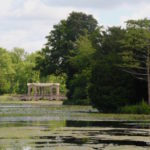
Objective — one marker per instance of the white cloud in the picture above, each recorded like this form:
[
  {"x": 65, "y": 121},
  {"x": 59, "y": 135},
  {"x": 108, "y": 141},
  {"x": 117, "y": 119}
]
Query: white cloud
[
  {"x": 36, "y": 9},
  {"x": 95, "y": 4},
  {"x": 5, "y": 7},
  {"x": 28, "y": 25},
  {"x": 139, "y": 12},
  {"x": 25, "y": 23}
]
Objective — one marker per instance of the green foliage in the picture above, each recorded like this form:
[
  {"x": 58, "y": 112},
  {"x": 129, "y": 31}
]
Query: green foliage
[
  {"x": 56, "y": 79},
  {"x": 136, "y": 46},
  {"x": 16, "y": 70},
  {"x": 142, "y": 108},
  {"x": 90, "y": 58},
  {"x": 136, "y": 54},
  {"x": 23, "y": 65},
  {"x": 110, "y": 87},
  {"x": 64, "y": 53},
  {"x": 82, "y": 53},
  {"x": 60, "y": 41},
  {"x": 6, "y": 71},
  {"x": 81, "y": 60}
]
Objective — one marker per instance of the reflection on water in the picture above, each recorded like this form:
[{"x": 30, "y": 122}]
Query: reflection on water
[
  {"x": 115, "y": 124},
  {"x": 68, "y": 128}
]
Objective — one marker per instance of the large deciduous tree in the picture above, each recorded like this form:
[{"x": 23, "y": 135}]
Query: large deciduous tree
[
  {"x": 136, "y": 55},
  {"x": 81, "y": 59},
  {"x": 110, "y": 87},
  {"x": 54, "y": 58}
]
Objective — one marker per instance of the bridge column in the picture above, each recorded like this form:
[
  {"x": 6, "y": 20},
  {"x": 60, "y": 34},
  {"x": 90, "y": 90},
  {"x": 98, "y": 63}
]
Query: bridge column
[
  {"x": 35, "y": 92},
  {"x": 57, "y": 92},
  {"x": 51, "y": 92},
  {"x": 29, "y": 90}
]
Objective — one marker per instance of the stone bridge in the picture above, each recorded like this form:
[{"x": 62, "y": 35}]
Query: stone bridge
[{"x": 47, "y": 91}]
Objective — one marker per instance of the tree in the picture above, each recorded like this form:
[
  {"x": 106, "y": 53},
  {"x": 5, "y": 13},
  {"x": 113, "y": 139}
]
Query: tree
[
  {"x": 56, "y": 79},
  {"x": 23, "y": 65},
  {"x": 61, "y": 40},
  {"x": 18, "y": 55},
  {"x": 136, "y": 57},
  {"x": 81, "y": 60},
  {"x": 110, "y": 88},
  {"x": 6, "y": 71},
  {"x": 54, "y": 58}
]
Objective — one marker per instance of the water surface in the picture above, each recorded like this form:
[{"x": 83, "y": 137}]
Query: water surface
[{"x": 50, "y": 127}]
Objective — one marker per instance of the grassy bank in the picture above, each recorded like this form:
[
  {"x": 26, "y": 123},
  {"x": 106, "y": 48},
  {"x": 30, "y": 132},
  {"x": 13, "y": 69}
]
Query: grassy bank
[
  {"x": 9, "y": 99},
  {"x": 75, "y": 111}
]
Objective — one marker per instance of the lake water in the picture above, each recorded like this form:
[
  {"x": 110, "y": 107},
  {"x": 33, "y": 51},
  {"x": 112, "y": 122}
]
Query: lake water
[{"x": 57, "y": 127}]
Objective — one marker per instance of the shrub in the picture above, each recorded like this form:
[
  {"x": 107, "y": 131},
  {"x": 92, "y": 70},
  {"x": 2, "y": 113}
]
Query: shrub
[
  {"x": 142, "y": 108},
  {"x": 77, "y": 102}
]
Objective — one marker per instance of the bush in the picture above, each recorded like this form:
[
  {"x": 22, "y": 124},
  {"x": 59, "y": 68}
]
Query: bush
[
  {"x": 142, "y": 108},
  {"x": 110, "y": 88},
  {"x": 77, "y": 102}
]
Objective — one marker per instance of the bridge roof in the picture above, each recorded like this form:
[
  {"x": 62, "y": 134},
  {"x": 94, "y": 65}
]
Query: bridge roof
[{"x": 43, "y": 84}]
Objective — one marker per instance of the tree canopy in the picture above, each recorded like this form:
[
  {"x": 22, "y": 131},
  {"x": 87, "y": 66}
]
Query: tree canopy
[
  {"x": 96, "y": 60},
  {"x": 136, "y": 54},
  {"x": 61, "y": 45}
]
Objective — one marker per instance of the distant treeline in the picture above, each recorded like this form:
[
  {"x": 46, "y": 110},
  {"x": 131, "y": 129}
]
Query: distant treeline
[{"x": 17, "y": 69}]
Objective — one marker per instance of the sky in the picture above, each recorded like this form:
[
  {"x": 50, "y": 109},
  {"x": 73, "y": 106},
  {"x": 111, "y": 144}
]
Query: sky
[{"x": 25, "y": 23}]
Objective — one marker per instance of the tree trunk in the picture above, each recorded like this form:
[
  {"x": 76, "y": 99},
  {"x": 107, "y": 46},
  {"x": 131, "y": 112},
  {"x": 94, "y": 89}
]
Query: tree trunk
[
  {"x": 148, "y": 80},
  {"x": 148, "y": 76}
]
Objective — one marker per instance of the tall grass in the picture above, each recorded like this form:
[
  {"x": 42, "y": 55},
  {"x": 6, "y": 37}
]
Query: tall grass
[{"x": 142, "y": 108}]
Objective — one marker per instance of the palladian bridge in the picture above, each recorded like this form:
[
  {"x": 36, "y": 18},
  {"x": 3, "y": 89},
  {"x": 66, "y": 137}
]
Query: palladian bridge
[{"x": 48, "y": 91}]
